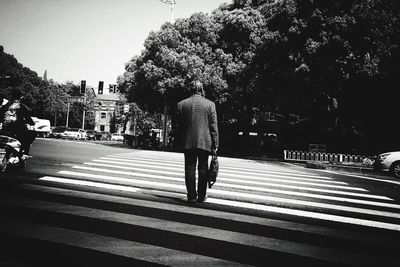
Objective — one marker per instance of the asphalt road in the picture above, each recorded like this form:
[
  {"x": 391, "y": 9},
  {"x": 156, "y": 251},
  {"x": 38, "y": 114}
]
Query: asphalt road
[{"x": 83, "y": 203}]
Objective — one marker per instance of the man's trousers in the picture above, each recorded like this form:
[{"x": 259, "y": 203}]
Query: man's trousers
[{"x": 192, "y": 157}]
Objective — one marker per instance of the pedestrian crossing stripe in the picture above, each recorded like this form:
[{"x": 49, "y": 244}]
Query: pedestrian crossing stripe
[
  {"x": 91, "y": 184},
  {"x": 103, "y": 213},
  {"x": 174, "y": 206},
  {"x": 195, "y": 231},
  {"x": 116, "y": 246},
  {"x": 249, "y": 196},
  {"x": 311, "y": 214},
  {"x": 179, "y": 171},
  {"x": 367, "y": 178},
  {"x": 223, "y": 174},
  {"x": 255, "y": 206},
  {"x": 230, "y": 185},
  {"x": 226, "y": 172},
  {"x": 134, "y": 158}
]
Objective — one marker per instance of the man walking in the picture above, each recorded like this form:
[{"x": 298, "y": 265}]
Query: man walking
[{"x": 198, "y": 134}]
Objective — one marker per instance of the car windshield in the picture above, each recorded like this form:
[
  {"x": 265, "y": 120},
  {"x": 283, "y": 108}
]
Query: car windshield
[{"x": 74, "y": 130}]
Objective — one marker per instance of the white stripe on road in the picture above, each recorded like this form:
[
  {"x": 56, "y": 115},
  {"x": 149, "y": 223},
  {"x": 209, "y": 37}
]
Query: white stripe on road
[
  {"x": 120, "y": 179},
  {"x": 132, "y": 168},
  {"x": 232, "y": 168},
  {"x": 262, "y": 189},
  {"x": 92, "y": 184},
  {"x": 366, "y": 177},
  {"x": 178, "y": 171},
  {"x": 240, "y": 194},
  {"x": 249, "y": 179},
  {"x": 286, "y": 211},
  {"x": 308, "y": 214},
  {"x": 224, "y": 172}
]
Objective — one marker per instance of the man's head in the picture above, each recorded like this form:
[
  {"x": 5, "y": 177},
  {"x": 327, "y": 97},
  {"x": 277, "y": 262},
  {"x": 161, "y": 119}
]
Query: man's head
[{"x": 197, "y": 88}]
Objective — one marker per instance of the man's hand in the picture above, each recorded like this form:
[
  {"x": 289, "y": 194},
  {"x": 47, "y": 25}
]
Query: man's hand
[{"x": 214, "y": 151}]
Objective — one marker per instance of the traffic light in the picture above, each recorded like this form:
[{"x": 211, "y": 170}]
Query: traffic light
[
  {"x": 83, "y": 87},
  {"x": 101, "y": 83}
]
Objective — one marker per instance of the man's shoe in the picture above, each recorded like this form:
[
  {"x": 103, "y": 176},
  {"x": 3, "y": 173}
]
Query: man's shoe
[
  {"x": 191, "y": 200},
  {"x": 202, "y": 199}
]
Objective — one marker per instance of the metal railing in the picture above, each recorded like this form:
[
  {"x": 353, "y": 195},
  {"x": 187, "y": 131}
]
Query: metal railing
[{"x": 291, "y": 155}]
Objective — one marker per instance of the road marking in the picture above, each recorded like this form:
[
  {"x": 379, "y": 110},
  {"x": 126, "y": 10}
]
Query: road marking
[
  {"x": 177, "y": 172},
  {"x": 168, "y": 206},
  {"x": 246, "y": 195},
  {"x": 151, "y": 254},
  {"x": 223, "y": 171},
  {"x": 66, "y": 140},
  {"x": 308, "y": 214},
  {"x": 224, "y": 166},
  {"x": 241, "y": 187},
  {"x": 365, "y": 177},
  {"x": 260, "y": 207},
  {"x": 89, "y": 183}
]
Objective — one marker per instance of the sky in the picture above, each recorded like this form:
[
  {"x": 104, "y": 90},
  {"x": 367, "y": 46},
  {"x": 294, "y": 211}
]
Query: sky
[{"x": 88, "y": 40}]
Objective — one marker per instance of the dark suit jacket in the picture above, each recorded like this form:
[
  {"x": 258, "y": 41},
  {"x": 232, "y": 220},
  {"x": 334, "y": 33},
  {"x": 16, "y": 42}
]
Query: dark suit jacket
[{"x": 197, "y": 122}]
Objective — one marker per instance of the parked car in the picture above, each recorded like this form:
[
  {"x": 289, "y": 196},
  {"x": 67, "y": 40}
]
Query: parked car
[
  {"x": 56, "y": 132},
  {"x": 93, "y": 135},
  {"x": 105, "y": 136},
  {"x": 74, "y": 133},
  {"x": 117, "y": 137},
  {"x": 388, "y": 162},
  {"x": 41, "y": 127}
]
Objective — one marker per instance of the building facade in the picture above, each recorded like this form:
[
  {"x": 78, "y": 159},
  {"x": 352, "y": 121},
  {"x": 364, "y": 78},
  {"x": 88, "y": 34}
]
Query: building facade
[{"x": 107, "y": 110}]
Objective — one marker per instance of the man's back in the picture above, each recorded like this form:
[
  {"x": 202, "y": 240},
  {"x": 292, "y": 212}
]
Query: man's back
[{"x": 198, "y": 123}]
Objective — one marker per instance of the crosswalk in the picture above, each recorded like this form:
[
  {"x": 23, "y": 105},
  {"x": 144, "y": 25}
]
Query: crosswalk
[{"x": 130, "y": 209}]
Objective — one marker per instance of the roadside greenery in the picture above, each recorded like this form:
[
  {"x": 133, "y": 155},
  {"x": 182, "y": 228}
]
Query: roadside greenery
[
  {"x": 47, "y": 99},
  {"x": 324, "y": 67}
]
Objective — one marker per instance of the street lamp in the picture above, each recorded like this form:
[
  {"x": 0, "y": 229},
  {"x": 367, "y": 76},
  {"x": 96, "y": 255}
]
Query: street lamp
[{"x": 165, "y": 136}]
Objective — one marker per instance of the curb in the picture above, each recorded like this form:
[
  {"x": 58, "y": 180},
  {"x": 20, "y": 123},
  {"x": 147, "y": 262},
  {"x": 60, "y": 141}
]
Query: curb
[
  {"x": 355, "y": 170},
  {"x": 346, "y": 168},
  {"x": 329, "y": 166}
]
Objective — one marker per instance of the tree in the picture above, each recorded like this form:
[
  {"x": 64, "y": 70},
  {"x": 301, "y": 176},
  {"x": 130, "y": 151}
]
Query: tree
[
  {"x": 321, "y": 60},
  {"x": 44, "y": 97}
]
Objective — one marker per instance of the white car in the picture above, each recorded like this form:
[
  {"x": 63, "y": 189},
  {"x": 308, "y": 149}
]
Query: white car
[
  {"x": 117, "y": 137},
  {"x": 74, "y": 133},
  {"x": 389, "y": 161}
]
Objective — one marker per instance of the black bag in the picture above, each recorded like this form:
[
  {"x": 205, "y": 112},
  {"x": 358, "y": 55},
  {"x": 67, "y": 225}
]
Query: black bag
[{"x": 213, "y": 171}]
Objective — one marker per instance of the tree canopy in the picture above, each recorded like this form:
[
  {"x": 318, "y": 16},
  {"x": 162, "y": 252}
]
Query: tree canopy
[
  {"x": 47, "y": 99},
  {"x": 329, "y": 61}
]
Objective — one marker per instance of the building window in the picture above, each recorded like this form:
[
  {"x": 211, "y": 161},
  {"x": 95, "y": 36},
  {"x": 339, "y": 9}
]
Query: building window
[
  {"x": 102, "y": 128},
  {"x": 103, "y": 115}
]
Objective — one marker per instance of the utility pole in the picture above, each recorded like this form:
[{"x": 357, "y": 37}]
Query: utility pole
[
  {"x": 165, "y": 136},
  {"x": 66, "y": 124},
  {"x": 172, "y": 4},
  {"x": 83, "y": 91},
  {"x": 84, "y": 107}
]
